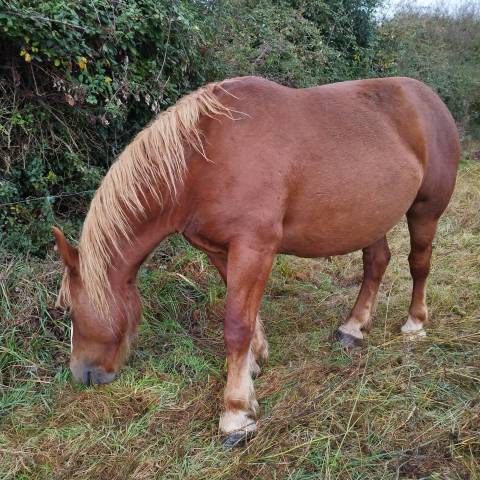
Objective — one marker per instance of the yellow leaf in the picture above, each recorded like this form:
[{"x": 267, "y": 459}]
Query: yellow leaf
[
  {"x": 108, "y": 80},
  {"x": 82, "y": 63},
  {"x": 22, "y": 52},
  {"x": 28, "y": 57}
]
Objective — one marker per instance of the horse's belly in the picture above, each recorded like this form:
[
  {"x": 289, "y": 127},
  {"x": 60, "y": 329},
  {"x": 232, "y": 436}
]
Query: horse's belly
[
  {"x": 336, "y": 239},
  {"x": 338, "y": 219}
]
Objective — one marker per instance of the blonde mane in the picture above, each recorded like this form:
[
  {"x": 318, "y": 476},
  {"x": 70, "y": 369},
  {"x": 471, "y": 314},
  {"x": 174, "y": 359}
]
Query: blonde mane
[{"x": 156, "y": 156}]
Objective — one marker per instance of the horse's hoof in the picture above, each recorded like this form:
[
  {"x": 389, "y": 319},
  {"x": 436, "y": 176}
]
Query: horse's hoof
[
  {"x": 349, "y": 342},
  {"x": 236, "y": 439},
  {"x": 413, "y": 329}
]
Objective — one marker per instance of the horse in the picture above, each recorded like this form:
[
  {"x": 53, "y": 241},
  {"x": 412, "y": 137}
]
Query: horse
[{"x": 245, "y": 169}]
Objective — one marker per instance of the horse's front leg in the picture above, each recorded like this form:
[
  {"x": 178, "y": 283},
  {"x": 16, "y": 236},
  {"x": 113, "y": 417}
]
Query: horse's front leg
[
  {"x": 249, "y": 264},
  {"x": 259, "y": 345}
]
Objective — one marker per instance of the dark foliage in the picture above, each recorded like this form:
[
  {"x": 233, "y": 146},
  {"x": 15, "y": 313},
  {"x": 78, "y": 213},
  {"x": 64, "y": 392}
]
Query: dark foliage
[{"x": 79, "y": 79}]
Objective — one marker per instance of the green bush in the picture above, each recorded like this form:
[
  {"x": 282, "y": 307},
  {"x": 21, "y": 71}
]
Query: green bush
[
  {"x": 78, "y": 80},
  {"x": 298, "y": 43},
  {"x": 442, "y": 49}
]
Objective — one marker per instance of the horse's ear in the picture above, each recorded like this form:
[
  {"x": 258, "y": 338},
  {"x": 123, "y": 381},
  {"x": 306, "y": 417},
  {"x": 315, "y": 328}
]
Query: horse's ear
[{"x": 68, "y": 252}]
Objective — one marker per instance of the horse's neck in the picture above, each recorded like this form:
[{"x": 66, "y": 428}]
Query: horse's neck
[
  {"x": 162, "y": 215},
  {"x": 147, "y": 233}
]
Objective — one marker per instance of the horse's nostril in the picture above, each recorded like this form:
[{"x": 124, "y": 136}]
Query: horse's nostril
[{"x": 89, "y": 375}]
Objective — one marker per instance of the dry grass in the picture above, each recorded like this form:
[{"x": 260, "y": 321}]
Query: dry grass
[{"x": 394, "y": 410}]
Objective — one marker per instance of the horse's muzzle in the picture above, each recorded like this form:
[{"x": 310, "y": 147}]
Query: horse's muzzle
[{"x": 89, "y": 375}]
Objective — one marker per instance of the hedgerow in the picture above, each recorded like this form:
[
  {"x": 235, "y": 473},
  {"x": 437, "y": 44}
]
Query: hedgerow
[
  {"x": 442, "y": 48},
  {"x": 79, "y": 79}
]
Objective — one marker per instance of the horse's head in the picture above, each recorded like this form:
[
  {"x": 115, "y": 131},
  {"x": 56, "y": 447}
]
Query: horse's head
[{"x": 98, "y": 345}]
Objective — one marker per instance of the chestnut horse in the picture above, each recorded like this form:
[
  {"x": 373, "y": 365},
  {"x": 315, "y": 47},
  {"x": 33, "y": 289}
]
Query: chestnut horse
[{"x": 246, "y": 169}]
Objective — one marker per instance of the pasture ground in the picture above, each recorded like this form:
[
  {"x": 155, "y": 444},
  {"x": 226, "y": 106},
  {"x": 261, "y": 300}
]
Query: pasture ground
[{"x": 392, "y": 410}]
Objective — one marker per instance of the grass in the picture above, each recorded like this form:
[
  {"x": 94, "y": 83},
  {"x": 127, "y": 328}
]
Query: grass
[{"x": 393, "y": 410}]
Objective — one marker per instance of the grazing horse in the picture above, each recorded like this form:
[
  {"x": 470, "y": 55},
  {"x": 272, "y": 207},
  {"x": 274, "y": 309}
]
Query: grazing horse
[{"x": 246, "y": 169}]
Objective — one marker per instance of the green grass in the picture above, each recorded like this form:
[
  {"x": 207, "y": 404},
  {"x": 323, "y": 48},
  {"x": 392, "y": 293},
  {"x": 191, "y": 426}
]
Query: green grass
[{"x": 392, "y": 410}]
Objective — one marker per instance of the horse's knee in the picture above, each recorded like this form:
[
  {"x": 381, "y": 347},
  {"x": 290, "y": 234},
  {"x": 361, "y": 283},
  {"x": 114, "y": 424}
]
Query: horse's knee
[{"x": 237, "y": 336}]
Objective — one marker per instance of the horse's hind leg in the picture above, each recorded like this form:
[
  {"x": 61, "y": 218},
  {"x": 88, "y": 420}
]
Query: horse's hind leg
[
  {"x": 422, "y": 224},
  {"x": 375, "y": 261}
]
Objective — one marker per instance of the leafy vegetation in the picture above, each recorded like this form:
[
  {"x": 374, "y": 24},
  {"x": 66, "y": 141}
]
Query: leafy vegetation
[
  {"x": 443, "y": 50},
  {"x": 79, "y": 79},
  {"x": 298, "y": 43}
]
